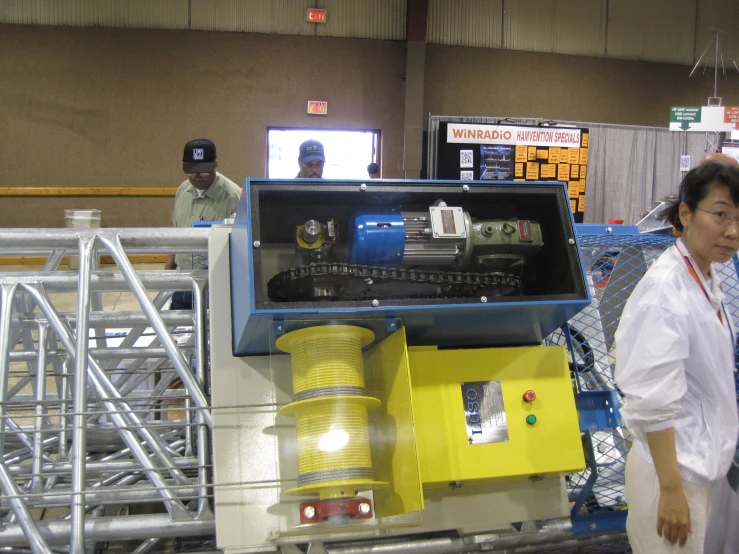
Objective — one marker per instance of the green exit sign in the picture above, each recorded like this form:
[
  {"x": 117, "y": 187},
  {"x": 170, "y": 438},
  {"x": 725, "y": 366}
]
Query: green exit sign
[{"x": 685, "y": 115}]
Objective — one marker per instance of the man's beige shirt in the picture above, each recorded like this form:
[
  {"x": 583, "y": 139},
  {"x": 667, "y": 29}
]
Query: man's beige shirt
[{"x": 219, "y": 201}]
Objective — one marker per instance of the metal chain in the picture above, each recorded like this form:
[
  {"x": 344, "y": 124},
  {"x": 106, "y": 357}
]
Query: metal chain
[{"x": 409, "y": 275}]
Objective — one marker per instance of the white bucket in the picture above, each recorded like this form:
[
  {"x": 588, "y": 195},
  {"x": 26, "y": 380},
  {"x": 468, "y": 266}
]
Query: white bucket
[{"x": 81, "y": 219}]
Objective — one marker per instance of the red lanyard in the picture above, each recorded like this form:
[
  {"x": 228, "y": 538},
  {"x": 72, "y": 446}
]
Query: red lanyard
[{"x": 700, "y": 283}]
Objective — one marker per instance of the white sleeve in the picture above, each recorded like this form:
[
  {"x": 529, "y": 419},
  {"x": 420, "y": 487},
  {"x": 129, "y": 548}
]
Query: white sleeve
[{"x": 652, "y": 344}]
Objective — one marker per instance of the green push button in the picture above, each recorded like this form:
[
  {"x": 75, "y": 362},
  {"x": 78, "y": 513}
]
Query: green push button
[{"x": 531, "y": 419}]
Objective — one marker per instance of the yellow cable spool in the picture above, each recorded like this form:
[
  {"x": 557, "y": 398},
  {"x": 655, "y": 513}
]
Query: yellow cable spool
[{"x": 330, "y": 407}]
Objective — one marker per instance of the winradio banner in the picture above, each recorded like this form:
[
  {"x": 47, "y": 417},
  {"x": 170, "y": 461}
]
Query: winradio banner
[{"x": 468, "y": 151}]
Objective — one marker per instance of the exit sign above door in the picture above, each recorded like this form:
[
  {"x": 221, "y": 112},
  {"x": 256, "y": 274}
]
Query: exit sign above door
[
  {"x": 316, "y": 107},
  {"x": 316, "y": 15}
]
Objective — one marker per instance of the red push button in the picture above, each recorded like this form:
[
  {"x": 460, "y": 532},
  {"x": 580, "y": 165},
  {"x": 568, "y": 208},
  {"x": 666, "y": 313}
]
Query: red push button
[{"x": 529, "y": 396}]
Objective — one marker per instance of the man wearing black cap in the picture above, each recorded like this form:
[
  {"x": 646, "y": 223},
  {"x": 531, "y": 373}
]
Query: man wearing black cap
[
  {"x": 311, "y": 160},
  {"x": 206, "y": 195}
]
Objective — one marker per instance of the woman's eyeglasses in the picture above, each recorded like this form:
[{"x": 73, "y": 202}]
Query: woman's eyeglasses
[{"x": 721, "y": 217}]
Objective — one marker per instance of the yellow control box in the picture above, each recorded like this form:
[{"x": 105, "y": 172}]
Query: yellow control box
[{"x": 486, "y": 414}]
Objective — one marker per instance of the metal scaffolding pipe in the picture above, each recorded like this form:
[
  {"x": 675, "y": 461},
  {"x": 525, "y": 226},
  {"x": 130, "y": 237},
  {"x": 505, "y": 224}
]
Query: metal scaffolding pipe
[
  {"x": 173, "y": 505},
  {"x": 99, "y": 354},
  {"x": 7, "y": 293},
  {"x": 93, "y": 441},
  {"x": 113, "y": 528},
  {"x": 27, "y": 305},
  {"x": 198, "y": 295},
  {"x": 38, "y": 423},
  {"x": 97, "y": 467},
  {"x": 63, "y": 395},
  {"x": 147, "y": 546},
  {"x": 107, "y": 281},
  {"x": 101, "y": 436},
  {"x": 116, "y": 495},
  {"x": 134, "y": 240},
  {"x": 113, "y": 320},
  {"x": 188, "y": 379},
  {"x": 25, "y": 520},
  {"x": 79, "y": 425},
  {"x": 132, "y": 337}
]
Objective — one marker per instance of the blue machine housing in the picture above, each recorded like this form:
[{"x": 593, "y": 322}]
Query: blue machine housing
[
  {"x": 376, "y": 238},
  {"x": 498, "y": 321}
]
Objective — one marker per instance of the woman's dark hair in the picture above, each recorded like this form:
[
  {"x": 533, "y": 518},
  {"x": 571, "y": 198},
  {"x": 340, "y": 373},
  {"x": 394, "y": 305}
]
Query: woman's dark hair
[{"x": 698, "y": 183}]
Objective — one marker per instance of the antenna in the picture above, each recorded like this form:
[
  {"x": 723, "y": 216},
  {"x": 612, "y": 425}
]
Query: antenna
[
  {"x": 714, "y": 139},
  {"x": 714, "y": 100}
]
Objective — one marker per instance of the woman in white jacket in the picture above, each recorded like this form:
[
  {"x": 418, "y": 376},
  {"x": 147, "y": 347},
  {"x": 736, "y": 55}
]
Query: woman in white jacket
[{"x": 674, "y": 364}]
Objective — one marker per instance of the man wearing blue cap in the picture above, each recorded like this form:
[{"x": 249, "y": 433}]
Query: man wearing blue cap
[{"x": 311, "y": 160}]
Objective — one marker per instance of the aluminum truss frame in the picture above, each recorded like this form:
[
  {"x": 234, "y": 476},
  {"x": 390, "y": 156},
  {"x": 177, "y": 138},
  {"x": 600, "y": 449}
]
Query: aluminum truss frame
[{"x": 88, "y": 428}]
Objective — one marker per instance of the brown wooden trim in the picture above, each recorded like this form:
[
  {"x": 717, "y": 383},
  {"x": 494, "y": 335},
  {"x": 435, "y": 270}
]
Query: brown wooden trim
[
  {"x": 88, "y": 191},
  {"x": 104, "y": 259}
]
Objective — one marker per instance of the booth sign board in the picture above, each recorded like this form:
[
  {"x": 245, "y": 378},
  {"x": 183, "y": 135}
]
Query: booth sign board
[
  {"x": 704, "y": 119},
  {"x": 472, "y": 151}
]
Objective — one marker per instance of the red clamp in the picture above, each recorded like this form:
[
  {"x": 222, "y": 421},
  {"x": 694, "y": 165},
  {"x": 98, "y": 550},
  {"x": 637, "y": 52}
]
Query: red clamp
[{"x": 355, "y": 508}]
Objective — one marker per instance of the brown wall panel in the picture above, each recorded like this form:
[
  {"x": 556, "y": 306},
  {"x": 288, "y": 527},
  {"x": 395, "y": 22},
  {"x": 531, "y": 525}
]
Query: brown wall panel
[
  {"x": 490, "y": 82},
  {"x": 114, "y": 107},
  {"x": 123, "y": 211}
]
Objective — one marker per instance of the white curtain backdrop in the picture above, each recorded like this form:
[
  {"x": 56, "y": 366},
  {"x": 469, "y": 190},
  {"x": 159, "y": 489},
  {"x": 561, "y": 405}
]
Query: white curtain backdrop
[{"x": 630, "y": 168}]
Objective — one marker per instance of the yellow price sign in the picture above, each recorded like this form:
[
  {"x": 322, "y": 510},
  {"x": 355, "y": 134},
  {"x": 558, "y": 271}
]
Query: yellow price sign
[
  {"x": 522, "y": 153},
  {"x": 548, "y": 171},
  {"x": 532, "y": 171}
]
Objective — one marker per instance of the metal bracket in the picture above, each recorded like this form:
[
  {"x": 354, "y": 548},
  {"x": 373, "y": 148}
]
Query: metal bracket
[
  {"x": 278, "y": 327},
  {"x": 391, "y": 324},
  {"x": 598, "y": 410}
]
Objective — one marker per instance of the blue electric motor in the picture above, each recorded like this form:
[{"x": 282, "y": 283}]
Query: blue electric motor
[
  {"x": 411, "y": 238},
  {"x": 377, "y": 238}
]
